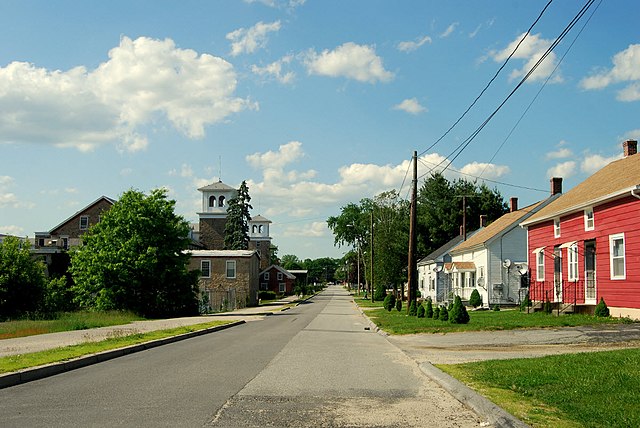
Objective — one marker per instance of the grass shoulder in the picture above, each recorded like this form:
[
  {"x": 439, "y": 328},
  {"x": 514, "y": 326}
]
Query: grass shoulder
[
  {"x": 591, "y": 389},
  {"x": 23, "y": 361}
]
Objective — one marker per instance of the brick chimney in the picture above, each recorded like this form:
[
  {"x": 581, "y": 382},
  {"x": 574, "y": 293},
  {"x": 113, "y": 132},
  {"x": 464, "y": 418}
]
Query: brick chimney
[
  {"x": 513, "y": 204},
  {"x": 556, "y": 185},
  {"x": 483, "y": 220},
  {"x": 630, "y": 147}
]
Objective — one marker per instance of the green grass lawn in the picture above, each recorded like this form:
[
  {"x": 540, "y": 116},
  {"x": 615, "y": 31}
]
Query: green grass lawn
[
  {"x": 23, "y": 361},
  {"x": 367, "y": 303},
  {"x": 395, "y": 322},
  {"x": 67, "y": 321},
  {"x": 597, "y": 389}
]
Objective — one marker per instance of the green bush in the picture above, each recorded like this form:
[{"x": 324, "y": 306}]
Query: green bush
[
  {"x": 436, "y": 313},
  {"x": 380, "y": 292},
  {"x": 547, "y": 307},
  {"x": 389, "y": 302},
  {"x": 496, "y": 308},
  {"x": 526, "y": 302},
  {"x": 459, "y": 314},
  {"x": 602, "y": 310},
  {"x": 476, "y": 299},
  {"x": 399, "y": 304},
  {"x": 429, "y": 310},
  {"x": 267, "y": 295},
  {"x": 413, "y": 309},
  {"x": 421, "y": 311},
  {"x": 444, "y": 314}
]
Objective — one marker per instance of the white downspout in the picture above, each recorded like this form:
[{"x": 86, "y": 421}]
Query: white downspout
[{"x": 635, "y": 192}]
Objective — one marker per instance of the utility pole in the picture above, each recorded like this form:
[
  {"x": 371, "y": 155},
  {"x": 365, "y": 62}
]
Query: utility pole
[
  {"x": 372, "y": 288},
  {"x": 412, "y": 270}
]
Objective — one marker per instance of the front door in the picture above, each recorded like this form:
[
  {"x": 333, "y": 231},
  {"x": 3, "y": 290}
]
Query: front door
[
  {"x": 590, "y": 272},
  {"x": 557, "y": 274}
]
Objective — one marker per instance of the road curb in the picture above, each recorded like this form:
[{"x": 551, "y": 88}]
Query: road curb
[
  {"x": 31, "y": 374},
  {"x": 484, "y": 407}
]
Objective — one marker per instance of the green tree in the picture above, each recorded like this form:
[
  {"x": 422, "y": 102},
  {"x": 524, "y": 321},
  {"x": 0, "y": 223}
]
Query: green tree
[
  {"x": 458, "y": 314},
  {"x": 290, "y": 261},
  {"x": 602, "y": 310},
  {"x": 135, "y": 259},
  {"x": 22, "y": 279},
  {"x": 475, "y": 299},
  {"x": 273, "y": 251},
  {"x": 429, "y": 309},
  {"x": 236, "y": 229}
]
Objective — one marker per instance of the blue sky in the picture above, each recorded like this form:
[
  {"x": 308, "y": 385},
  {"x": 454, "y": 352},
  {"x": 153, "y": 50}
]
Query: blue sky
[{"x": 315, "y": 103}]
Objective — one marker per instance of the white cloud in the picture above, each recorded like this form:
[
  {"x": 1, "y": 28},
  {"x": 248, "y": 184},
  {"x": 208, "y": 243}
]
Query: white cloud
[
  {"x": 450, "y": 29},
  {"x": 287, "y": 4},
  {"x": 274, "y": 70},
  {"x": 560, "y": 153},
  {"x": 316, "y": 229},
  {"x": 592, "y": 163},
  {"x": 9, "y": 199},
  {"x": 485, "y": 170},
  {"x": 564, "y": 170},
  {"x": 632, "y": 135},
  {"x": 249, "y": 40},
  {"x": 410, "y": 46},
  {"x": 349, "y": 60},
  {"x": 531, "y": 50},
  {"x": 12, "y": 230},
  {"x": 142, "y": 80},
  {"x": 185, "y": 171},
  {"x": 410, "y": 105},
  {"x": 124, "y": 172},
  {"x": 626, "y": 68}
]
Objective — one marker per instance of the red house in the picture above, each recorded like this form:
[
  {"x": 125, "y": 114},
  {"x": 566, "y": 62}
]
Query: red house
[
  {"x": 585, "y": 245},
  {"x": 277, "y": 279}
]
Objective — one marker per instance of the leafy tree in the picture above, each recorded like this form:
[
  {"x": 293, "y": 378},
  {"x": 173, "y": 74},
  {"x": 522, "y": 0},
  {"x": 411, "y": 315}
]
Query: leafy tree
[
  {"x": 289, "y": 261},
  {"x": 389, "y": 302},
  {"x": 236, "y": 229},
  {"x": 321, "y": 270},
  {"x": 134, "y": 259},
  {"x": 459, "y": 314},
  {"x": 273, "y": 251},
  {"x": 429, "y": 309},
  {"x": 475, "y": 299},
  {"x": 22, "y": 279}
]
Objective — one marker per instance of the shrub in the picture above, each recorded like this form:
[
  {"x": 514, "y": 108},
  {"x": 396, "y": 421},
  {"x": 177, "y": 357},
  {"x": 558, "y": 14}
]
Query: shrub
[
  {"x": 429, "y": 310},
  {"x": 421, "y": 311},
  {"x": 476, "y": 299},
  {"x": 526, "y": 302},
  {"x": 444, "y": 314},
  {"x": 602, "y": 310},
  {"x": 389, "y": 302},
  {"x": 267, "y": 295},
  {"x": 380, "y": 292},
  {"x": 459, "y": 314},
  {"x": 399, "y": 304},
  {"x": 547, "y": 307},
  {"x": 496, "y": 308},
  {"x": 436, "y": 313},
  {"x": 413, "y": 309}
]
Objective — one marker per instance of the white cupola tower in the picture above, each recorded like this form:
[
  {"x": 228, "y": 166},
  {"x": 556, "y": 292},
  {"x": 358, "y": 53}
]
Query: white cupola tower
[
  {"x": 213, "y": 215},
  {"x": 260, "y": 240}
]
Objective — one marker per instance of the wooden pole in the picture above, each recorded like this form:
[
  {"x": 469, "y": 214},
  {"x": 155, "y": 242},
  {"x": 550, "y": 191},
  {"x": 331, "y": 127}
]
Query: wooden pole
[
  {"x": 372, "y": 287},
  {"x": 412, "y": 269}
]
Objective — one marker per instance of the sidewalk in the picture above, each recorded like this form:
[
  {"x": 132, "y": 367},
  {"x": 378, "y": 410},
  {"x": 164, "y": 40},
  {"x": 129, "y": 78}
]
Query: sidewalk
[{"x": 43, "y": 342}]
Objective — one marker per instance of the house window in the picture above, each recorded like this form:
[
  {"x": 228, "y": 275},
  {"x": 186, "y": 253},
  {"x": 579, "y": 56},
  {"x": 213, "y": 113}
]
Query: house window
[
  {"x": 84, "y": 222},
  {"x": 231, "y": 269},
  {"x": 40, "y": 242},
  {"x": 205, "y": 268},
  {"x": 540, "y": 266},
  {"x": 588, "y": 219},
  {"x": 279, "y": 276},
  {"x": 433, "y": 284},
  {"x": 212, "y": 201},
  {"x": 556, "y": 227},
  {"x": 282, "y": 287},
  {"x": 266, "y": 276},
  {"x": 264, "y": 286},
  {"x": 471, "y": 279},
  {"x": 616, "y": 245},
  {"x": 572, "y": 253}
]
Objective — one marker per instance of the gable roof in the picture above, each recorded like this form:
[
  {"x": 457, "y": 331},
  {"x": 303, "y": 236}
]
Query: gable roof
[
  {"x": 499, "y": 227},
  {"x": 444, "y": 249},
  {"x": 613, "y": 181},
  {"x": 101, "y": 198},
  {"x": 279, "y": 269},
  {"x": 221, "y": 253},
  {"x": 260, "y": 219}
]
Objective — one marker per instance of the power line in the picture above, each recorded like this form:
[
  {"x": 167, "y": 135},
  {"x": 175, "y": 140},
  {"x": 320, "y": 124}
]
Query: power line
[{"x": 490, "y": 81}]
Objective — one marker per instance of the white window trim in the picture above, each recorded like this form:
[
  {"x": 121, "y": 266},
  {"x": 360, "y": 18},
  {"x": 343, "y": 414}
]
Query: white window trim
[
  {"x": 613, "y": 238},
  {"x": 226, "y": 273},
  {"x": 556, "y": 227},
  {"x": 572, "y": 262},
  {"x": 282, "y": 287},
  {"x": 202, "y": 262},
  {"x": 588, "y": 227},
  {"x": 266, "y": 275},
  {"x": 280, "y": 276},
  {"x": 87, "y": 225},
  {"x": 539, "y": 266}
]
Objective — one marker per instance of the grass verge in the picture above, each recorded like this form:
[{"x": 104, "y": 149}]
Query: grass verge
[
  {"x": 395, "y": 322},
  {"x": 367, "y": 303},
  {"x": 18, "y": 362},
  {"x": 574, "y": 390},
  {"x": 66, "y": 321}
]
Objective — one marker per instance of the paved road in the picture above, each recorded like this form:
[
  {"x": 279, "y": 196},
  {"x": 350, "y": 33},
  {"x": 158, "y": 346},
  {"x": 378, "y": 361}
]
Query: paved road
[{"x": 312, "y": 366}]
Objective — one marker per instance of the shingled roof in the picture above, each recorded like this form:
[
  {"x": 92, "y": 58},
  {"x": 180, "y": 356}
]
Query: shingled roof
[{"x": 613, "y": 181}]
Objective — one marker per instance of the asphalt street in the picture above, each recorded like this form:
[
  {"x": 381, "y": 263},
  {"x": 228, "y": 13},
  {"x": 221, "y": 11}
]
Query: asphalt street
[{"x": 316, "y": 365}]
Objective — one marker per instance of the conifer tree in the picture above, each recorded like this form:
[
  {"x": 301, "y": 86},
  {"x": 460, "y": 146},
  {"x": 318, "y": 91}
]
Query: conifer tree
[{"x": 236, "y": 230}]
